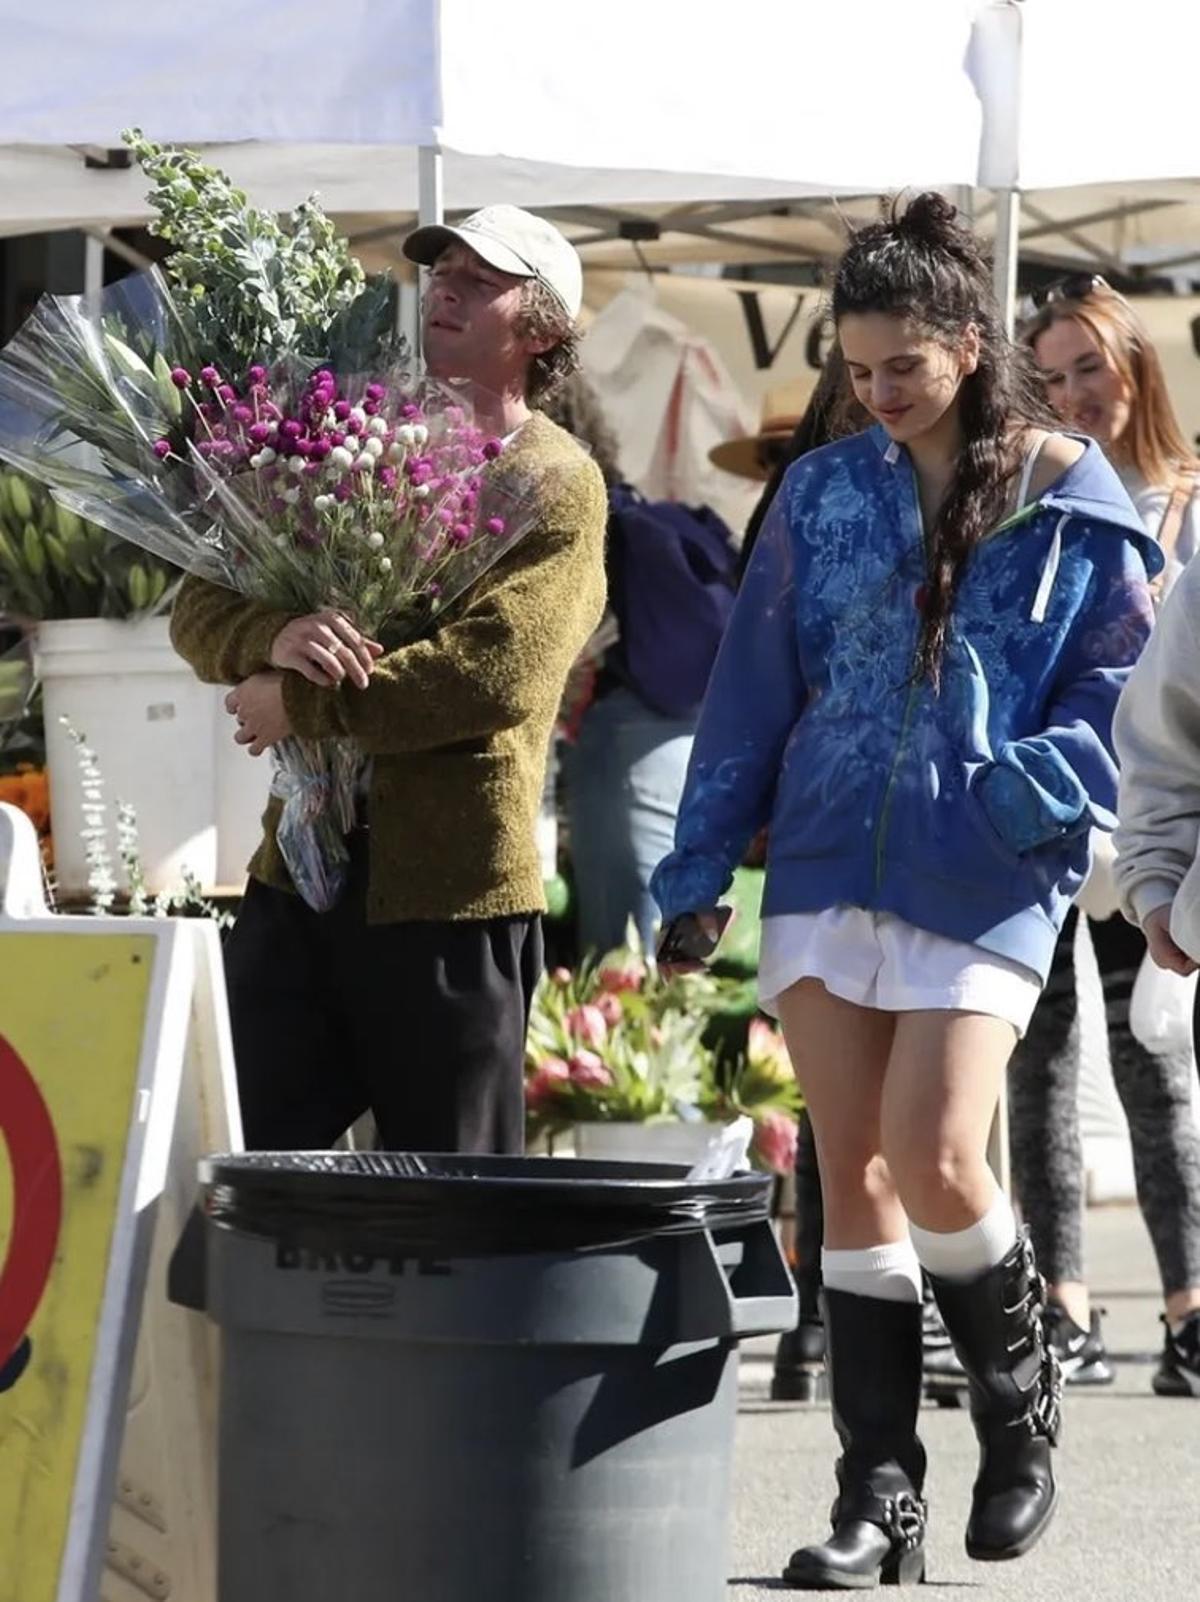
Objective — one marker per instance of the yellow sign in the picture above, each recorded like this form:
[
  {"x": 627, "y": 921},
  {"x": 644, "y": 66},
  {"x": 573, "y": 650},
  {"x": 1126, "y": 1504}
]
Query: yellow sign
[{"x": 73, "y": 1010}]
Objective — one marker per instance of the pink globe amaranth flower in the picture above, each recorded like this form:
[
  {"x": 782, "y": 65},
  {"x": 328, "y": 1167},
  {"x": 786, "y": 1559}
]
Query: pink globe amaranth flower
[
  {"x": 353, "y": 425},
  {"x": 256, "y": 375},
  {"x": 775, "y": 1141},
  {"x": 180, "y": 377},
  {"x": 337, "y": 437},
  {"x": 342, "y": 410},
  {"x": 375, "y": 392},
  {"x": 258, "y": 433},
  {"x": 561, "y": 977},
  {"x": 319, "y": 449},
  {"x": 628, "y": 974},
  {"x": 291, "y": 429},
  {"x": 588, "y": 1072},
  {"x": 610, "y": 1009},
  {"x": 162, "y": 449},
  {"x": 546, "y": 1082},
  {"x": 460, "y": 534},
  {"x": 495, "y": 525},
  {"x": 242, "y": 414},
  {"x": 210, "y": 376},
  {"x": 343, "y": 492},
  {"x": 227, "y": 393},
  {"x": 387, "y": 477},
  {"x": 587, "y": 1023},
  {"x": 410, "y": 411},
  {"x": 493, "y": 448}
]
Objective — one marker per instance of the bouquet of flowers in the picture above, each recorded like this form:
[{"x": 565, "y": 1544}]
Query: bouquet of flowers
[
  {"x": 615, "y": 1041},
  {"x": 250, "y": 416}
]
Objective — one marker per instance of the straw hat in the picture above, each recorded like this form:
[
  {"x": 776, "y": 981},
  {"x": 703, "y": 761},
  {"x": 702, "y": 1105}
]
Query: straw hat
[{"x": 754, "y": 455}]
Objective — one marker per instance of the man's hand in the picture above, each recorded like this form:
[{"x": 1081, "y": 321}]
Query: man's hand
[
  {"x": 257, "y": 703},
  {"x": 1157, "y": 929},
  {"x": 326, "y": 648}
]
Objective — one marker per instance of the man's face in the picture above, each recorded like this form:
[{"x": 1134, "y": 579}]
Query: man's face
[{"x": 469, "y": 322}]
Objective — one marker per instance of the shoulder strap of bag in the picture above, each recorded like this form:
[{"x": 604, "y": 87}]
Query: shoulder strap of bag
[{"x": 1171, "y": 525}]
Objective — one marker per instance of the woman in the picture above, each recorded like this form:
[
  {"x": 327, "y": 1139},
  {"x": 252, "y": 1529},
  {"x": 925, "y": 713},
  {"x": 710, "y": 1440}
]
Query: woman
[
  {"x": 1103, "y": 377},
  {"x": 915, "y": 695}
]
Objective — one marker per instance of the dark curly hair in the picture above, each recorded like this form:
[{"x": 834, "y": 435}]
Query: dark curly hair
[
  {"x": 543, "y": 316},
  {"x": 923, "y": 264}
]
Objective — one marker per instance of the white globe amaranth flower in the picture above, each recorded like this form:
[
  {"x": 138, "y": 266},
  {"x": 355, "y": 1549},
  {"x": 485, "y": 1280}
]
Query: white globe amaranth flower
[
  {"x": 341, "y": 458},
  {"x": 421, "y": 492},
  {"x": 359, "y": 416},
  {"x": 292, "y": 495},
  {"x": 375, "y": 540},
  {"x": 385, "y": 564},
  {"x": 296, "y": 465},
  {"x": 373, "y": 448},
  {"x": 406, "y": 435},
  {"x": 377, "y": 427},
  {"x": 264, "y": 458},
  {"x": 420, "y": 433},
  {"x": 364, "y": 463},
  {"x": 325, "y": 503}
]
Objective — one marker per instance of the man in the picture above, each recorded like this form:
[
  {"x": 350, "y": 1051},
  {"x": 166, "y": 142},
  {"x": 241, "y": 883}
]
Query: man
[{"x": 411, "y": 996}]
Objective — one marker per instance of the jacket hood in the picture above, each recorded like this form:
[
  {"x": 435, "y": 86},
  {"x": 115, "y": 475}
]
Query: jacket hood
[{"x": 1088, "y": 489}]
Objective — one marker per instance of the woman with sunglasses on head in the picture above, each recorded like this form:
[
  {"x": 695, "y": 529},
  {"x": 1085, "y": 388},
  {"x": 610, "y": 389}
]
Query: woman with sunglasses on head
[
  {"x": 1104, "y": 378},
  {"x": 914, "y": 695}
]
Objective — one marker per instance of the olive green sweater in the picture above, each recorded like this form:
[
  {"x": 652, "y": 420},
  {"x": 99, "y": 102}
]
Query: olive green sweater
[{"x": 458, "y": 724}]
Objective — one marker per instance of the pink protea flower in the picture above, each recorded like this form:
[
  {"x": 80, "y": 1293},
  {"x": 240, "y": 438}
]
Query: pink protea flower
[
  {"x": 587, "y": 1023},
  {"x": 548, "y": 1079},
  {"x": 589, "y": 1072},
  {"x": 774, "y": 1142},
  {"x": 626, "y": 974},
  {"x": 763, "y": 1040},
  {"x": 609, "y": 1007}
]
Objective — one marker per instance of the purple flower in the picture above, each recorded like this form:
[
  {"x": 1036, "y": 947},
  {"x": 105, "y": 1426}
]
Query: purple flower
[
  {"x": 319, "y": 449},
  {"x": 180, "y": 377},
  {"x": 371, "y": 408},
  {"x": 242, "y": 414},
  {"x": 311, "y": 469},
  {"x": 259, "y": 434},
  {"x": 162, "y": 449},
  {"x": 495, "y": 525},
  {"x": 257, "y": 374},
  {"x": 387, "y": 477},
  {"x": 321, "y": 378},
  {"x": 342, "y": 410},
  {"x": 409, "y": 412},
  {"x": 291, "y": 429},
  {"x": 492, "y": 449},
  {"x": 353, "y": 425},
  {"x": 460, "y": 534},
  {"x": 227, "y": 393},
  {"x": 210, "y": 376},
  {"x": 337, "y": 437},
  {"x": 375, "y": 392},
  {"x": 343, "y": 492}
]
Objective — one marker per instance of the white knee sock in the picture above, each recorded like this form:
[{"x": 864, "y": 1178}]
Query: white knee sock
[
  {"x": 965, "y": 1254},
  {"x": 890, "y": 1273}
]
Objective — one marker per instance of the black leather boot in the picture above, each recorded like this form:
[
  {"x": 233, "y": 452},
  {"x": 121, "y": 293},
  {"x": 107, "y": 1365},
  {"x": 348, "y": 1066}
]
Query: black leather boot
[
  {"x": 1015, "y": 1386},
  {"x": 873, "y": 1351},
  {"x": 799, "y": 1374}
]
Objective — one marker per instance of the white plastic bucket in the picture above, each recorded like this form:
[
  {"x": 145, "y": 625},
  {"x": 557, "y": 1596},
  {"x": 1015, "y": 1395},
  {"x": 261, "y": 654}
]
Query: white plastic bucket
[
  {"x": 243, "y": 784},
  {"x": 151, "y": 724}
]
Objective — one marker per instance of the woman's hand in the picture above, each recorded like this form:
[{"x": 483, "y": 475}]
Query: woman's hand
[
  {"x": 326, "y": 648},
  {"x": 257, "y": 703},
  {"x": 1156, "y": 927},
  {"x": 689, "y": 940}
]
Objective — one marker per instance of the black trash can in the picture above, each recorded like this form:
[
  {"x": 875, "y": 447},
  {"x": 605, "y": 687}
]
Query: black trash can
[{"x": 473, "y": 1379}]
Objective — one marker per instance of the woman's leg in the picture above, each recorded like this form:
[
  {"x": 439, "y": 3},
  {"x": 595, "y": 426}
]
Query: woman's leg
[
  {"x": 1046, "y": 1150},
  {"x": 940, "y": 1093},
  {"x": 872, "y": 1301},
  {"x": 1156, "y": 1093}
]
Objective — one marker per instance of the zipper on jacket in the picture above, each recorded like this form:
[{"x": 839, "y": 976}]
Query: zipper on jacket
[{"x": 885, "y": 809}]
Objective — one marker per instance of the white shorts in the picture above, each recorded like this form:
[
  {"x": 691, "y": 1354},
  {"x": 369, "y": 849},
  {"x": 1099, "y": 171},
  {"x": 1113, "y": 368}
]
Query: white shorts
[{"x": 878, "y": 960}]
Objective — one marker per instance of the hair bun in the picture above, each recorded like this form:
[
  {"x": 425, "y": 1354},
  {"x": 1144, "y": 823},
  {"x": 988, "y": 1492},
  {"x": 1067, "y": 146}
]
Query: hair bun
[{"x": 933, "y": 221}]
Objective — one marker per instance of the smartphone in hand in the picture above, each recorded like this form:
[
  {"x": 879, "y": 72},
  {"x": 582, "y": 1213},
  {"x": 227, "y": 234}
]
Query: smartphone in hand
[{"x": 685, "y": 940}]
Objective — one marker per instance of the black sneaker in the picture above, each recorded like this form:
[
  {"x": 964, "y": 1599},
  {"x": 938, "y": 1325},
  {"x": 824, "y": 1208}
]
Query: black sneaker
[
  {"x": 1178, "y": 1371},
  {"x": 1081, "y": 1352}
]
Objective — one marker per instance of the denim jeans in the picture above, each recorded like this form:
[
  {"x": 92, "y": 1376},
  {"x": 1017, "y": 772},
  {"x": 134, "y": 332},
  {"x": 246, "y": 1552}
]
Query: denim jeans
[{"x": 624, "y": 777}]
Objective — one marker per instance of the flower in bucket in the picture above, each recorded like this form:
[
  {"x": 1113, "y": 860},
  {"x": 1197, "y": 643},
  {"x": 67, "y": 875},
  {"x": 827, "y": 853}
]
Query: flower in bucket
[{"x": 774, "y": 1142}]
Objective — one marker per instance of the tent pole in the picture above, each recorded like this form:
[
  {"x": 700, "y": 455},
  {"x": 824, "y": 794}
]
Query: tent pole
[
  {"x": 93, "y": 266},
  {"x": 430, "y": 210},
  {"x": 1004, "y": 265}
]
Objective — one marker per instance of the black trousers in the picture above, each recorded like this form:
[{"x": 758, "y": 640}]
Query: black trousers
[{"x": 423, "y": 1024}]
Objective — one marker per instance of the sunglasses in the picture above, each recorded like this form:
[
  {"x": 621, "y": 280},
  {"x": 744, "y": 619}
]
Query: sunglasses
[{"x": 1075, "y": 286}]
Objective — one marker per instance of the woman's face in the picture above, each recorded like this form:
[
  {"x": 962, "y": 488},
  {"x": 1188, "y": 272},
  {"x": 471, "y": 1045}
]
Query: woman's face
[
  {"x": 904, "y": 377},
  {"x": 1083, "y": 385}
]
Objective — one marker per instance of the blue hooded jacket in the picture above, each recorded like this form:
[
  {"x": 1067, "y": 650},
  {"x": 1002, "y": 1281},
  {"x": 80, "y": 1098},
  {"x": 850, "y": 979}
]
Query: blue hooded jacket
[{"x": 965, "y": 811}]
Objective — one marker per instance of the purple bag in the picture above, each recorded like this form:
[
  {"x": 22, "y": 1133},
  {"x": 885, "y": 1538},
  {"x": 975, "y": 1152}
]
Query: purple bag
[{"x": 672, "y": 570}]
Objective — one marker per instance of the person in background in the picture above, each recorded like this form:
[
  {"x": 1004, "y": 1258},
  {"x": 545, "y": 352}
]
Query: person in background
[
  {"x": 1104, "y": 378},
  {"x": 411, "y": 996},
  {"x": 670, "y": 571},
  {"x": 914, "y": 696}
]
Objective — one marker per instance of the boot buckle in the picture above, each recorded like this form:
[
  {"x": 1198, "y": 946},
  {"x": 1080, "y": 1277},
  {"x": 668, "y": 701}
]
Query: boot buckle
[{"x": 904, "y": 1518}]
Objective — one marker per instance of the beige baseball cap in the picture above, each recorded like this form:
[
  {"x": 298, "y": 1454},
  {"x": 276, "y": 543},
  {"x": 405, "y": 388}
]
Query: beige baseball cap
[{"x": 513, "y": 241}]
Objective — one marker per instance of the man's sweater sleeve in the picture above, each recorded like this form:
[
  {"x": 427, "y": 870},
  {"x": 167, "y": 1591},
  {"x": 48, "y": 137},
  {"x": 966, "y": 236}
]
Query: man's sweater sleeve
[
  {"x": 223, "y": 636},
  {"x": 498, "y": 656},
  {"x": 1157, "y": 735}
]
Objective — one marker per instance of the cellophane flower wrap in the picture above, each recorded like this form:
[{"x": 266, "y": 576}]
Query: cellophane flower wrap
[{"x": 248, "y": 414}]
